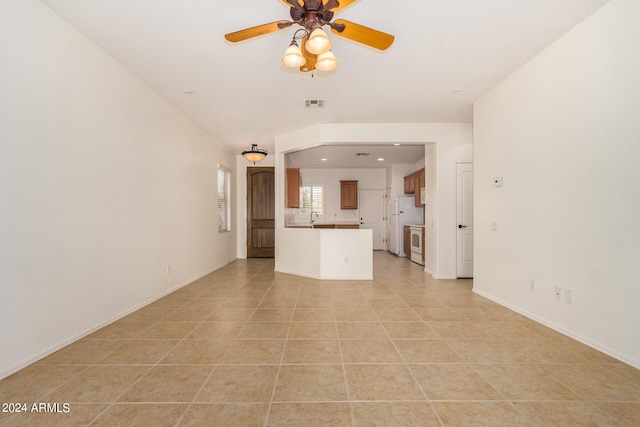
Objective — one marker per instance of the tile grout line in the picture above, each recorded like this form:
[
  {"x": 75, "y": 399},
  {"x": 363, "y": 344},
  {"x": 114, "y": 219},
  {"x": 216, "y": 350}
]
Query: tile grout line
[
  {"x": 284, "y": 349},
  {"x": 159, "y": 359},
  {"x": 344, "y": 371},
  {"x": 235, "y": 339},
  {"x": 110, "y": 404},
  {"x": 406, "y": 365}
]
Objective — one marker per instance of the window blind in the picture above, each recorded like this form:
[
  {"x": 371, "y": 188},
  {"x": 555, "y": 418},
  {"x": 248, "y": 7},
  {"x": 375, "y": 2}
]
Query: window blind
[
  {"x": 312, "y": 199},
  {"x": 224, "y": 199}
]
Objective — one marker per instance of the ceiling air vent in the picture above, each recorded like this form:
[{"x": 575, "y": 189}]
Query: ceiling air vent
[
  {"x": 362, "y": 154},
  {"x": 314, "y": 103}
]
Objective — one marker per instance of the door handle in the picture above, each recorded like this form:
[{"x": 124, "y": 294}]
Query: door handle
[{"x": 462, "y": 226}]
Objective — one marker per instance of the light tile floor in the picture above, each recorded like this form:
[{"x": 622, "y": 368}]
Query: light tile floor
[{"x": 246, "y": 346}]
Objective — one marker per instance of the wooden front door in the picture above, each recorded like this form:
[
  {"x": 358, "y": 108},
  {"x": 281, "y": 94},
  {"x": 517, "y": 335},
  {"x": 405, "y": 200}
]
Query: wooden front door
[{"x": 260, "y": 212}]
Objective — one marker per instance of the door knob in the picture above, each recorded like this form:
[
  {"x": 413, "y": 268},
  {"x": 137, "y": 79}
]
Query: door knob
[{"x": 462, "y": 226}]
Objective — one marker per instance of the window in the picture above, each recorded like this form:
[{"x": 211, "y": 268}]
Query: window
[
  {"x": 312, "y": 200},
  {"x": 224, "y": 199}
]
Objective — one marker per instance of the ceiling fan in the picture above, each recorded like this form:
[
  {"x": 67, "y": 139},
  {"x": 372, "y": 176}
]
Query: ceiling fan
[{"x": 312, "y": 15}]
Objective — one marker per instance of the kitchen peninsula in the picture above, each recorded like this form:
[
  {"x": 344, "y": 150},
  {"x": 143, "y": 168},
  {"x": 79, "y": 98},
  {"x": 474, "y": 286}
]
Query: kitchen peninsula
[
  {"x": 325, "y": 253},
  {"x": 338, "y": 225}
]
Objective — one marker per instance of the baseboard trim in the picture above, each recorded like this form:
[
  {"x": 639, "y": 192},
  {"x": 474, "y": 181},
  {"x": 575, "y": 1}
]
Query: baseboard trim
[
  {"x": 584, "y": 340},
  {"x": 52, "y": 349}
]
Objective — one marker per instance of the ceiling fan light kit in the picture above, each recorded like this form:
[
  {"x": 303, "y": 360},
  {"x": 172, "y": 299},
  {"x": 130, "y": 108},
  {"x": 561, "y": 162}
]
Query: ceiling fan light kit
[
  {"x": 318, "y": 42},
  {"x": 315, "y": 52},
  {"x": 293, "y": 56},
  {"x": 327, "y": 62}
]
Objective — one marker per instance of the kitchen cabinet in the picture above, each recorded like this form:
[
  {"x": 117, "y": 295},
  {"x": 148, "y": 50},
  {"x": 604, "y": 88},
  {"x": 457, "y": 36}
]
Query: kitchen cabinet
[
  {"x": 293, "y": 187},
  {"x": 409, "y": 184},
  {"x": 348, "y": 194},
  {"x": 419, "y": 187},
  {"x": 348, "y": 226},
  {"x": 414, "y": 183},
  {"x": 407, "y": 240}
]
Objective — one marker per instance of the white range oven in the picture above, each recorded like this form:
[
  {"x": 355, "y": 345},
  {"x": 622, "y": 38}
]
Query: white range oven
[{"x": 416, "y": 244}]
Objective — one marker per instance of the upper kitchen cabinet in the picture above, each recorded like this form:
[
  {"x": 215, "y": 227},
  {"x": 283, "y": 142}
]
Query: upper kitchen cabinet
[
  {"x": 409, "y": 184},
  {"x": 293, "y": 187},
  {"x": 414, "y": 183},
  {"x": 348, "y": 194}
]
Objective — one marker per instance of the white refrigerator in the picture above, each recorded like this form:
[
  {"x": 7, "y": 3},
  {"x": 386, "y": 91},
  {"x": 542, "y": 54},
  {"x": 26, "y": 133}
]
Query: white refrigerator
[{"x": 402, "y": 211}]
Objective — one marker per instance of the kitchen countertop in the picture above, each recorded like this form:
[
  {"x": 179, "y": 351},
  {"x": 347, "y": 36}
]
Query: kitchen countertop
[{"x": 318, "y": 223}]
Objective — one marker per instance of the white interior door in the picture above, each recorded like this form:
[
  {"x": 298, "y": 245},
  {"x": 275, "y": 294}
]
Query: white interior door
[
  {"x": 464, "y": 224},
  {"x": 371, "y": 206}
]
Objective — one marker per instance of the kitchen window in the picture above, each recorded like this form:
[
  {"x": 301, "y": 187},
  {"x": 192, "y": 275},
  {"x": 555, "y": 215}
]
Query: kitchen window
[
  {"x": 224, "y": 199},
  {"x": 312, "y": 200}
]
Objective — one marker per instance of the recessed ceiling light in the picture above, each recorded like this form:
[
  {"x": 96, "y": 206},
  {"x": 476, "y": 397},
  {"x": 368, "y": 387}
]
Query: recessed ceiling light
[
  {"x": 323, "y": 159},
  {"x": 380, "y": 159},
  {"x": 396, "y": 144}
]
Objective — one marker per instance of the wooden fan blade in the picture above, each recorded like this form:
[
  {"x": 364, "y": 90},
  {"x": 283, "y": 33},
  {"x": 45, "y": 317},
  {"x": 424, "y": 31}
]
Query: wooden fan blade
[
  {"x": 257, "y": 31},
  {"x": 331, "y": 4},
  {"x": 291, "y": 3},
  {"x": 364, "y": 35},
  {"x": 310, "y": 57},
  {"x": 342, "y": 4}
]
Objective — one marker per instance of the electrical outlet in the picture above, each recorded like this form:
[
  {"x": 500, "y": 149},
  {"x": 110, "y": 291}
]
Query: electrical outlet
[
  {"x": 168, "y": 269},
  {"x": 558, "y": 293},
  {"x": 532, "y": 286},
  {"x": 346, "y": 260}
]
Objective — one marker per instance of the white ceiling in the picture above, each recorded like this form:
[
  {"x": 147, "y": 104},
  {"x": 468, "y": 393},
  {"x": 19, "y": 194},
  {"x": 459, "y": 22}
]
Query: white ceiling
[
  {"x": 446, "y": 54},
  {"x": 355, "y": 156}
]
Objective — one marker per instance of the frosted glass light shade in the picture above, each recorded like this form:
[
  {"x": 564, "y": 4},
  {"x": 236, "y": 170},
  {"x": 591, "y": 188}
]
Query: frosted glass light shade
[
  {"x": 327, "y": 62},
  {"x": 293, "y": 57},
  {"x": 254, "y": 157},
  {"x": 318, "y": 42},
  {"x": 255, "y": 154}
]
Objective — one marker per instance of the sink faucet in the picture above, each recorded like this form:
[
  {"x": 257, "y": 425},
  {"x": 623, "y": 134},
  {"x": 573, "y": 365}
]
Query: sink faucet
[{"x": 311, "y": 217}]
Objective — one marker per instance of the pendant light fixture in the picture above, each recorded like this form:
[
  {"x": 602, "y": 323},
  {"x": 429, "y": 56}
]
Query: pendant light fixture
[{"x": 255, "y": 154}]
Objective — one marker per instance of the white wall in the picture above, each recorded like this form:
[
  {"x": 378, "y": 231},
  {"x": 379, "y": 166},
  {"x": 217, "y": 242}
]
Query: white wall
[
  {"x": 395, "y": 178},
  {"x": 102, "y": 185},
  {"x": 368, "y": 179},
  {"x": 429, "y": 209},
  {"x": 564, "y": 133},
  {"x": 452, "y": 143}
]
